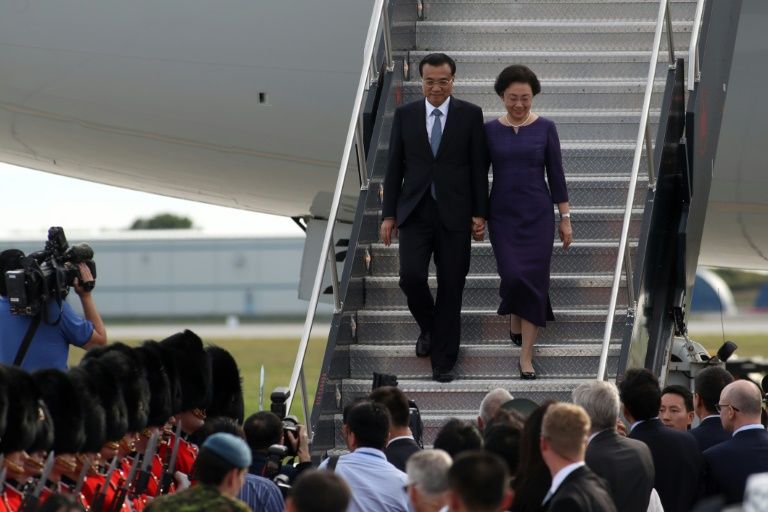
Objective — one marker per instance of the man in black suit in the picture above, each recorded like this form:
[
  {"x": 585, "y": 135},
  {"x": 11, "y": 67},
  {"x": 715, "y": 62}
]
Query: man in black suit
[
  {"x": 731, "y": 462},
  {"x": 436, "y": 196},
  {"x": 401, "y": 444},
  {"x": 575, "y": 488},
  {"x": 625, "y": 464},
  {"x": 709, "y": 384},
  {"x": 676, "y": 457}
]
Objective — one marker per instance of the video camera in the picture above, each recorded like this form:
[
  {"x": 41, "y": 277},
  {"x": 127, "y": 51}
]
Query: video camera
[{"x": 48, "y": 274}]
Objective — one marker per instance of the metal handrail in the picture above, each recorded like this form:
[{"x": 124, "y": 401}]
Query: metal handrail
[
  {"x": 693, "y": 50},
  {"x": 379, "y": 14},
  {"x": 642, "y": 134}
]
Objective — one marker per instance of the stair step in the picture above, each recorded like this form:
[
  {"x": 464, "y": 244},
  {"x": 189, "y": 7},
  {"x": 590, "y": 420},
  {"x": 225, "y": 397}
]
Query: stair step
[
  {"x": 563, "y": 65},
  {"x": 580, "y": 257},
  {"x": 397, "y": 327},
  {"x": 585, "y": 291},
  {"x": 450, "y": 10},
  {"x": 592, "y": 96},
  {"x": 467, "y": 394},
  {"x": 578, "y": 35},
  {"x": 593, "y": 224},
  {"x": 480, "y": 361},
  {"x": 592, "y": 191}
]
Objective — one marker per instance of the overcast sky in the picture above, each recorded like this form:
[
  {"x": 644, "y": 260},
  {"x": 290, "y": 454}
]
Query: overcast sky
[{"x": 32, "y": 201}]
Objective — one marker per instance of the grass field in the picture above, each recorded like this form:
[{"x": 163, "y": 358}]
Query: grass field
[
  {"x": 277, "y": 356},
  {"x": 750, "y": 345}
]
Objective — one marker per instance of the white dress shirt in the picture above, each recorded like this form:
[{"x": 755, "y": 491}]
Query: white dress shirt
[{"x": 754, "y": 426}]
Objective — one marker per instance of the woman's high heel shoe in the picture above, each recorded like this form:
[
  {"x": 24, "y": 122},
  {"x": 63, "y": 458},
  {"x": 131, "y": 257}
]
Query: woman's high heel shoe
[
  {"x": 517, "y": 339},
  {"x": 526, "y": 375}
]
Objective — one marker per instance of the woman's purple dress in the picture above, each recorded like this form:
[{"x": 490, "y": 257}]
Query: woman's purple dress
[{"x": 521, "y": 219}]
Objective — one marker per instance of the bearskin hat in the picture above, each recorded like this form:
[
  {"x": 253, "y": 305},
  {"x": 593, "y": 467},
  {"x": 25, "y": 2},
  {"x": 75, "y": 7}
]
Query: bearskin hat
[
  {"x": 44, "y": 430},
  {"x": 94, "y": 416},
  {"x": 194, "y": 369},
  {"x": 110, "y": 395},
  {"x": 60, "y": 395},
  {"x": 161, "y": 405},
  {"x": 227, "y": 385},
  {"x": 127, "y": 366},
  {"x": 23, "y": 411}
]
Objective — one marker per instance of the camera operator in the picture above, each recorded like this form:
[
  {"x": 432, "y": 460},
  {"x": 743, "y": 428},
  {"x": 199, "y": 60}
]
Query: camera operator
[
  {"x": 49, "y": 347},
  {"x": 271, "y": 441}
]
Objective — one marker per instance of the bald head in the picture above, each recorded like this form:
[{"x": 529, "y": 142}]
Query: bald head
[{"x": 743, "y": 395}]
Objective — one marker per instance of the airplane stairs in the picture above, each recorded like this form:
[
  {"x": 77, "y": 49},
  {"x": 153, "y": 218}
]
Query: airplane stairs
[{"x": 592, "y": 58}]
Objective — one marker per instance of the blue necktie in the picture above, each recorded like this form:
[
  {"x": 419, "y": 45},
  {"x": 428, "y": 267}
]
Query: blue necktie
[{"x": 434, "y": 141}]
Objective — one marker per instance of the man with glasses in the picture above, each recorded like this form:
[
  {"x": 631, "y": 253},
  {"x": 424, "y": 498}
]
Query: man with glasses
[
  {"x": 731, "y": 462},
  {"x": 436, "y": 197}
]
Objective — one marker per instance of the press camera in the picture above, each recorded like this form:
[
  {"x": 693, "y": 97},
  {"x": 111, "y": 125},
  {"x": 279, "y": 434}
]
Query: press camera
[{"x": 48, "y": 274}]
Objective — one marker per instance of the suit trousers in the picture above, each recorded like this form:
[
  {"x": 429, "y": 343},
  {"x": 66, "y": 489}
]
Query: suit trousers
[{"x": 421, "y": 236}]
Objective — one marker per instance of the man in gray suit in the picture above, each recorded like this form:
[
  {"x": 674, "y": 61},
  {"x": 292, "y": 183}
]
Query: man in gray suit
[{"x": 625, "y": 464}]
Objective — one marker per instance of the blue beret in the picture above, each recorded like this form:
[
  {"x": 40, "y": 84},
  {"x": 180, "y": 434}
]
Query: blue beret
[{"x": 230, "y": 448}]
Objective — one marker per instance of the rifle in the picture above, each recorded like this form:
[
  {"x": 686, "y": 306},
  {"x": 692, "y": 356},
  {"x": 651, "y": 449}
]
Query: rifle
[
  {"x": 98, "y": 500},
  {"x": 169, "y": 470},
  {"x": 146, "y": 464},
  {"x": 3, "y": 472},
  {"x": 122, "y": 493},
  {"x": 32, "y": 500},
  {"x": 81, "y": 477}
]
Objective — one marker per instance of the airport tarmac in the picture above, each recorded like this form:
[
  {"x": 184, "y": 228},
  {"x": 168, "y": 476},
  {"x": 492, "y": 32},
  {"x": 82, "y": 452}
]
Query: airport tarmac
[
  {"x": 699, "y": 325},
  {"x": 222, "y": 330}
]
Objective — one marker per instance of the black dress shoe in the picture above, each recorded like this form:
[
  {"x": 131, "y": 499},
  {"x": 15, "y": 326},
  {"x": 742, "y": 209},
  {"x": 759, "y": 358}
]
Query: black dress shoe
[
  {"x": 424, "y": 344},
  {"x": 517, "y": 339},
  {"x": 526, "y": 375},
  {"x": 442, "y": 376}
]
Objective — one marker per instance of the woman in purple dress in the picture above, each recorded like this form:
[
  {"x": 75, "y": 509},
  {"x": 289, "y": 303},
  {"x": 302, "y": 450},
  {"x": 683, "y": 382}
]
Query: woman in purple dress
[{"x": 524, "y": 148}]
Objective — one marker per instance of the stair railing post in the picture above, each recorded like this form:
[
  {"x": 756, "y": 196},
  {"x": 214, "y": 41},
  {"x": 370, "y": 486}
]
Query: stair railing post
[
  {"x": 641, "y": 136},
  {"x": 387, "y": 37},
  {"x": 334, "y": 280},
  {"x": 362, "y": 165},
  {"x": 370, "y": 43},
  {"x": 670, "y": 37},
  {"x": 693, "y": 49}
]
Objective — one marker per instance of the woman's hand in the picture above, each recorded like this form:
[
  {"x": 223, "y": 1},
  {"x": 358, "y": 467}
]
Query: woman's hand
[{"x": 566, "y": 232}]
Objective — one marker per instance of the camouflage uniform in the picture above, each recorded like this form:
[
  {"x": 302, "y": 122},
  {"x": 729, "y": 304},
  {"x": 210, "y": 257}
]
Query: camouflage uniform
[{"x": 197, "y": 498}]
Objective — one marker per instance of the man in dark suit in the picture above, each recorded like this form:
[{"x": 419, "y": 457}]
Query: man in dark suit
[
  {"x": 709, "y": 384},
  {"x": 676, "y": 457},
  {"x": 625, "y": 464},
  {"x": 731, "y": 462},
  {"x": 436, "y": 196},
  {"x": 575, "y": 488},
  {"x": 401, "y": 444}
]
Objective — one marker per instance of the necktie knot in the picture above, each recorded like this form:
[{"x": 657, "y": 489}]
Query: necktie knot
[{"x": 437, "y": 113}]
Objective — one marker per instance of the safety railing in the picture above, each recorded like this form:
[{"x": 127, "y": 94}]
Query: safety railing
[
  {"x": 643, "y": 138},
  {"x": 378, "y": 36},
  {"x": 694, "y": 70}
]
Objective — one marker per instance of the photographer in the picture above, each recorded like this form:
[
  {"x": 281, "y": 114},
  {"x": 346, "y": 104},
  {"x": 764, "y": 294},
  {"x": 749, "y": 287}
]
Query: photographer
[
  {"x": 265, "y": 430},
  {"x": 49, "y": 347}
]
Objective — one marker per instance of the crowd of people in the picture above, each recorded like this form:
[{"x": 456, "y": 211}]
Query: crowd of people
[{"x": 161, "y": 426}]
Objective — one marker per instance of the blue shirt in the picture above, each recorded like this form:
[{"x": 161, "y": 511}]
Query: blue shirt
[
  {"x": 375, "y": 483},
  {"x": 261, "y": 494},
  {"x": 50, "y": 345}
]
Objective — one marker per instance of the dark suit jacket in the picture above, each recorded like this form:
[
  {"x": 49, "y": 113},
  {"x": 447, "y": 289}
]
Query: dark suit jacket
[
  {"x": 627, "y": 467},
  {"x": 709, "y": 433},
  {"x": 677, "y": 461},
  {"x": 398, "y": 452},
  {"x": 729, "y": 464},
  {"x": 582, "y": 491},
  {"x": 459, "y": 171}
]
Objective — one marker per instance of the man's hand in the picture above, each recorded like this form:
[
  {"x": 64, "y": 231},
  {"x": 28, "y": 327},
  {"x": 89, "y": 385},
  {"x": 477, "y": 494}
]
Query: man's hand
[
  {"x": 478, "y": 229},
  {"x": 388, "y": 231},
  {"x": 85, "y": 277},
  {"x": 299, "y": 443}
]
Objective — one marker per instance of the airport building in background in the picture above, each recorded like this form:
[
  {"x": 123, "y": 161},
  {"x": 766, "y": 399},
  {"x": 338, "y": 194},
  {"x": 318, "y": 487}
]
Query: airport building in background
[{"x": 182, "y": 274}]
